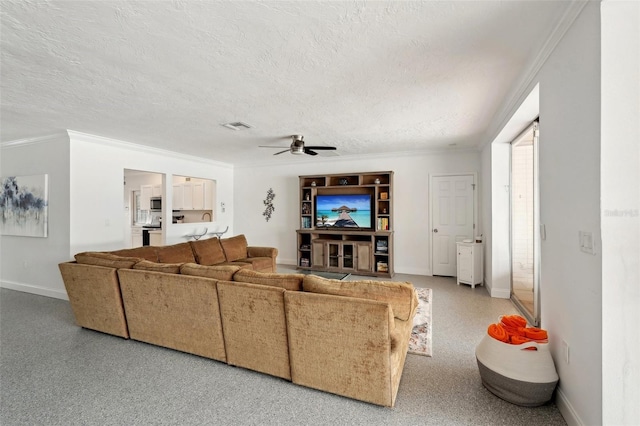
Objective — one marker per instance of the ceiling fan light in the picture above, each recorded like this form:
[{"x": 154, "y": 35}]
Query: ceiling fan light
[{"x": 297, "y": 150}]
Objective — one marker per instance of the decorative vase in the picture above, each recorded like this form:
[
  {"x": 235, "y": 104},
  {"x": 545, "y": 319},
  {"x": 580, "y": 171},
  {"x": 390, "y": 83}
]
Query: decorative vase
[{"x": 516, "y": 374}]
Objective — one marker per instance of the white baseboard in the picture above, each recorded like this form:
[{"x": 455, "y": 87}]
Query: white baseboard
[
  {"x": 287, "y": 262},
  {"x": 567, "y": 410},
  {"x": 413, "y": 271},
  {"x": 33, "y": 289}
]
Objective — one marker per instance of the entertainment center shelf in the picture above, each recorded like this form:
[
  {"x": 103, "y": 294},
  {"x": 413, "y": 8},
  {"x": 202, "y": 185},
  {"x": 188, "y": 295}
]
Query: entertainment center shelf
[{"x": 346, "y": 223}]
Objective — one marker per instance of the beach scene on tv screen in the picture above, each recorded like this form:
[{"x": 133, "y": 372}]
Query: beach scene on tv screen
[{"x": 343, "y": 211}]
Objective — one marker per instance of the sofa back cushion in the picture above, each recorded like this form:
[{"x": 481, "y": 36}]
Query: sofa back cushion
[
  {"x": 169, "y": 268},
  {"x": 218, "y": 272},
  {"x": 286, "y": 281},
  {"x": 176, "y": 253},
  {"x": 401, "y": 296},
  {"x": 235, "y": 248},
  {"x": 146, "y": 252},
  {"x": 106, "y": 259},
  {"x": 208, "y": 252}
]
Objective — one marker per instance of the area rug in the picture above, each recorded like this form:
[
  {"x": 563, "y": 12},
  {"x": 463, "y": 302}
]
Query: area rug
[{"x": 420, "y": 343}]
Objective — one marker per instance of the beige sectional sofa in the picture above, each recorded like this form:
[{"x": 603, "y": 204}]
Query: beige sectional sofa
[{"x": 345, "y": 337}]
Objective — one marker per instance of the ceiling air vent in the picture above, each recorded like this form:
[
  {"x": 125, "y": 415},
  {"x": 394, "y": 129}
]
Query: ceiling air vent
[{"x": 238, "y": 125}]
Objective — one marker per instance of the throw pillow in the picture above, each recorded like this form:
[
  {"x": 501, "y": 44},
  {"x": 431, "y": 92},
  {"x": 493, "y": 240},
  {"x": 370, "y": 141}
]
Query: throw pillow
[
  {"x": 235, "y": 248},
  {"x": 208, "y": 252},
  {"x": 218, "y": 272},
  {"x": 401, "y": 296},
  {"x": 106, "y": 259},
  {"x": 169, "y": 268},
  {"x": 286, "y": 281}
]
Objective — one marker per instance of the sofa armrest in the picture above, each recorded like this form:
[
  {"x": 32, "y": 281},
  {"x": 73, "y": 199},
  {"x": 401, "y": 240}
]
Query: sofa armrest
[
  {"x": 262, "y": 252},
  {"x": 270, "y": 252},
  {"x": 95, "y": 298}
]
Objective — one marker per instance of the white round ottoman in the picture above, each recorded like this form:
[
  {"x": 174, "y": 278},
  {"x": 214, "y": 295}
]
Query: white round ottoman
[{"x": 515, "y": 374}]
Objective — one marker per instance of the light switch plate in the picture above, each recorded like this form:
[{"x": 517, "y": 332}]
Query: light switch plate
[{"x": 587, "y": 244}]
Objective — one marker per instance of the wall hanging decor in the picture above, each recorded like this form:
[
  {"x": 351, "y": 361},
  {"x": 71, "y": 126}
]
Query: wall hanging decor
[
  {"x": 23, "y": 206},
  {"x": 268, "y": 211}
]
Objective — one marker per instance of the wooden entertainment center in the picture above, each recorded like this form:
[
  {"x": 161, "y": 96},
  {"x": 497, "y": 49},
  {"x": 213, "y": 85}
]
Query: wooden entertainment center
[{"x": 343, "y": 245}]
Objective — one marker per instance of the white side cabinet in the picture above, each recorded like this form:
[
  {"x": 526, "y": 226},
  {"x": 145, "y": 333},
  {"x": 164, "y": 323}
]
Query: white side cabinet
[{"x": 470, "y": 263}]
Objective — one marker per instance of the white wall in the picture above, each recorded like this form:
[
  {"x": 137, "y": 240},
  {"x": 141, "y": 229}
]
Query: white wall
[
  {"x": 31, "y": 264},
  {"x": 485, "y": 212},
  {"x": 569, "y": 162},
  {"x": 411, "y": 201},
  {"x": 86, "y": 208},
  {"x": 500, "y": 252},
  {"x": 97, "y": 211},
  {"x": 620, "y": 189}
]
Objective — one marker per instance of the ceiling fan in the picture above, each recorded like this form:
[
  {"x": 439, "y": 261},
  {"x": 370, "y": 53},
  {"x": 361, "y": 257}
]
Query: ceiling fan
[{"x": 297, "y": 147}]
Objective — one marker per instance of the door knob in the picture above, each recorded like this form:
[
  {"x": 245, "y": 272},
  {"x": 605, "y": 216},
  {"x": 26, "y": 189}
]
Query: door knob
[{"x": 435, "y": 230}]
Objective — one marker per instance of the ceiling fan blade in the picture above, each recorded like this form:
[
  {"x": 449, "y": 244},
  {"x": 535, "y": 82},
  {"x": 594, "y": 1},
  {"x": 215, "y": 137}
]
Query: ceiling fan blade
[
  {"x": 265, "y": 146},
  {"x": 308, "y": 151},
  {"x": 322, "y": 147},
  {"x": 282, "y": 152}
]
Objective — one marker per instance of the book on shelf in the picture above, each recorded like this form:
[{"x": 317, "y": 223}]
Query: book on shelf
[
  {"x": 383, "y": 224},
  {"x": 304, "y": 261},
  {"x": 306, "y": 223}
]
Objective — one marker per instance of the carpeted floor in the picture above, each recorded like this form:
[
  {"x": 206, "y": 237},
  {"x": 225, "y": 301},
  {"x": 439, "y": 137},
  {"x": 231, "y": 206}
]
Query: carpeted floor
[{"x": 54, "y": 373}]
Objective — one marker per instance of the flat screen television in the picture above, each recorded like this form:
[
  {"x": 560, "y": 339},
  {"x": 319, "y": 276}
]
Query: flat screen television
[{"x": 351, "y": 211}]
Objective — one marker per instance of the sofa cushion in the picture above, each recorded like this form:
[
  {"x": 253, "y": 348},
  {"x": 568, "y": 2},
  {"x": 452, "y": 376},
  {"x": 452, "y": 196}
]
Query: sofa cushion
[
  {"x": 106, "y": 259},
  {"x": 286, "y": 281},
  {"x": 401, "y": 296},
  {"x": 176, "y": 253},
  {"x": 208, "y": 252},
  {"x": 218, "y": 272},
  {"x": 262, "y": 264},
  {"x": 235, "y": 248},
  {"x": 169, "y": 268},
  {"x": 146, "y": 252}
]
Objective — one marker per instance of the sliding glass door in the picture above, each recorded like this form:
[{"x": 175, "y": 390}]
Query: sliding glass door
[{"x": 525, "y": 244}]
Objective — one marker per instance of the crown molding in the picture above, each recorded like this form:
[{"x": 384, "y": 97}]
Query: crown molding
[
  {"x": 521, "y": 91},
  {"x": 358, "y": 157},
  {"x": 101, "y": 140},
  {"x": 33, "y": 140}
]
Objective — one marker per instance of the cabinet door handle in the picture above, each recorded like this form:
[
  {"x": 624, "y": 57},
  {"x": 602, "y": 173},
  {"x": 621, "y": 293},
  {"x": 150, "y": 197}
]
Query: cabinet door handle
[{"x": 435, "y": 230}]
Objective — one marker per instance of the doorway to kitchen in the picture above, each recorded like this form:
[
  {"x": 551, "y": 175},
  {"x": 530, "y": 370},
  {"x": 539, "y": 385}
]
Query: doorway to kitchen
[
  {"x": 525, "y": 243},
  {"x": 141, "y": 217}
]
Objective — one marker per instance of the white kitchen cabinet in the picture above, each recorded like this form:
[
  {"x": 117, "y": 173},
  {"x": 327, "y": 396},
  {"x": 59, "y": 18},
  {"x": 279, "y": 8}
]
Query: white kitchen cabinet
[
  {"x": 156, "y": 190},
  {"x": 187, "y": 203},
  {"x": 198, "y": 196},
  {"x": 178, "y": 196},
  {"x": 208, "y": 189},
  {"x": 136, "y": 237},
  {"x": 146, "y": 192},
  {"x": 155, "y": 238},
  {"x": 470, "y": 263},
  {"x": 188, "y": 196}
]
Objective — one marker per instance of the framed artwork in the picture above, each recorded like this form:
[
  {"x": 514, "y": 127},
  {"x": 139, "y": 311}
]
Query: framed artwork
[{"x": 23, "y": 205}]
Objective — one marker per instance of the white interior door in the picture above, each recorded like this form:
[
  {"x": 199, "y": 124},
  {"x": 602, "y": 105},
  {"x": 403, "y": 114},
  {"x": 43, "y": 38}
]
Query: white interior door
[{"x": 452, "y": 213}]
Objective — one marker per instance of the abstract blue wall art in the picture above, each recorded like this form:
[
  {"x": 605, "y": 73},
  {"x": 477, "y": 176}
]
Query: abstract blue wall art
[{"x": 23, "y": 205}]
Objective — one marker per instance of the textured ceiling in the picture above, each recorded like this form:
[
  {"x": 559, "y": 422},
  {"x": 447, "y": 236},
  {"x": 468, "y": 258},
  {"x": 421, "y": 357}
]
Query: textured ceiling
[{"x": 364, "y": 76}]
